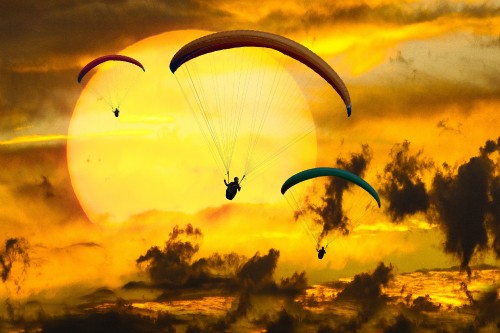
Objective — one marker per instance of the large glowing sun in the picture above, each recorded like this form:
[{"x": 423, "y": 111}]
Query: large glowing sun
[{"x": 153, "y": 156}]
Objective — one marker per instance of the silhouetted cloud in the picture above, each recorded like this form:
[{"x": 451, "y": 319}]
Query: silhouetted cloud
[
  {"x": 112, "y": 321},
  {"x": 258, "y": 271},
  {"x": 464, "y": 202},
  {"x": 15, "y": 252},
  {"x": 37, "y": 177},
  {"x": 367, "y": 290},
  {"x": 330, "y": 13},
  {"x": 171, "y": 266},
  {"x": 424, "y": 303},
  {"x": 330, "y": 213},
  {"x": 402, "y": 185},
  {"x": 284, "y": 323},
  {"x": 294, "y": 284},
  {"x": 444, "y": 125},
  {"x": 488, "y": 305},
  {"x": 401, "y": 325}
]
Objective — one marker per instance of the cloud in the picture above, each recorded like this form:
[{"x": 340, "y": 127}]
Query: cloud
[
  {"x": 324, "y": 14},
  {"x": 36, "y": 98},
  {"x": 174, "y": 267},
  {"x": 367, "y": 290},
  {"x": 463, "y": 203},
  {"x": 36, "y": 187},
  {"x": 259, "y": 270},
  {"x": 113, "y": 321},
  {"x": 285, "y": 322},
  {"x": 424, "y": 303},
  {"x": 170, "y": 266},
  {"x": 16, "y": 251},
  {"x": 402, "y": 182},
  {"x": 443, "y": 124},
  {"x": 42, "y": 54},
  {"x": 330, "y": 213},
  {"x": 401, "y": 325},
  {"x": 92, "y": 28}
]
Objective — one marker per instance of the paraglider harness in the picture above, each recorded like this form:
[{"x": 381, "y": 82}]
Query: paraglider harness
[
  {"x": 322, "y": 251},
  {"x": 116, "y": 112},
  {"x": 232, "y": 187}
]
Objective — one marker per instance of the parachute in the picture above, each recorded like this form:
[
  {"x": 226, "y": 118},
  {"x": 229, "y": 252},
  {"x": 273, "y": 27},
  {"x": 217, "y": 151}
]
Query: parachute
[
  {"x": 234, "y": 79},
  {"x": 334, "y": 172},
  {"x": 246, "y": 38},
  {"x": 120, "y": 74},
  {"x": 302, "y": 203},
  {"x": 113, "y": 57}
]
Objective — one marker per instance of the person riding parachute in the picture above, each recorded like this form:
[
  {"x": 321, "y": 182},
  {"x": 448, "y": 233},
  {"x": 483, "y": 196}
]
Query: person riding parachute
[
  {"x": 110, "y": 95},
  {"x": 219, "y": 103},
  {"x": 336, "y": 175}
]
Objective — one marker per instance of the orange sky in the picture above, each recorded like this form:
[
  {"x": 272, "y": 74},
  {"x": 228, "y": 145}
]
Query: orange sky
[{"x": 416, "y": 71}]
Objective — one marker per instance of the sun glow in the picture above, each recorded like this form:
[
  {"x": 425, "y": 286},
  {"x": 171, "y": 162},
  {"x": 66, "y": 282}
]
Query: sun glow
[{"x": 168, "y": 166}]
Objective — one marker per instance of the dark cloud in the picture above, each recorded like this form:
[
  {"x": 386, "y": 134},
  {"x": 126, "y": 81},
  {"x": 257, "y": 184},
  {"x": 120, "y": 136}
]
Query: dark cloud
[
  {"x": 465, "y": 289},
  {"x": 294, "y": 284},
  {"x": 424, "y": 303},
  {"x": 173, "y": 270},
  {"x": 258, "y": 270},
  {"x": 330, "y": 13},
  {"x": 93, "y": 27},
  {"x": 401, "y": 325},
  {"x": 404, "y": 89},
  {"x": 284, "y": 323},
  {"x": 15, "y": 252},
  {"x": 464, "y": 201},
  {"x": 108, "y": 322},
  {"x": 85, "y": 244},
  {"x": 488, "y": 305},
  {"x": 399, "y": 58},
  {"x": 493, "y": 217},
  {"x": 367, "y": 290},
  {"x": 402, "y": 183},
  {"x": 41, "y": 45},
  {"x": 170, "y": 266},
  {"x": 37, "y": 179},
  {"x": 444, "y": 125},
  {"x": 189, "y": 230},
  {"x": 330, "y": 213},
  {"x": 28, "y": 99},
  {"x": 99, "y": 295}
]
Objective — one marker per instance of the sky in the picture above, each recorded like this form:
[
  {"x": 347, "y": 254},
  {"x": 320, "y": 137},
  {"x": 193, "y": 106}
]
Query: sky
[{"x": 93, "y": 201}]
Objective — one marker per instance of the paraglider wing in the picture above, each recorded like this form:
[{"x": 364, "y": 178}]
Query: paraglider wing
[
  {"x": 246, "y": 38},
  {"x": 113, "y": 57},
  {"x": 321, "y": 172}
]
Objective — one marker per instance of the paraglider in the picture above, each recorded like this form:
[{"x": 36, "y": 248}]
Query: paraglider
[
  {"x": 232, "y": 188},
  {"x": 114, "y": 93},
  {"x": 332, "y": 172},
  {"x": 321, "y": 252},
  {"x": 254, "y": 92},
  {"x": 248, "y": 38},
  {"x": 309, "y": 174}
]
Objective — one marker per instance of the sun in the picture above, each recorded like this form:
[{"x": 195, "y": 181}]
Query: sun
[{"x": 154, "y": 156}]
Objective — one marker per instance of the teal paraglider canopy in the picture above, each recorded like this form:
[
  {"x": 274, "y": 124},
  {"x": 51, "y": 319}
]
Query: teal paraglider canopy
[{"x": 326, "y": 171}]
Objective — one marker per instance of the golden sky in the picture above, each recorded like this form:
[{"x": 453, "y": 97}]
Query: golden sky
[{"x": 91, "y": 193}]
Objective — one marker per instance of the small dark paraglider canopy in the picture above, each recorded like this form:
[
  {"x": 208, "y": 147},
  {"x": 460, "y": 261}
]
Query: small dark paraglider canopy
[{"x": 112, "y": 57}]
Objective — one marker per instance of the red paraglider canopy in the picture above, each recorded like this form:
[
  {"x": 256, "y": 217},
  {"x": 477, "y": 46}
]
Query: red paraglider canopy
[{"x": 247, "y": 38}]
